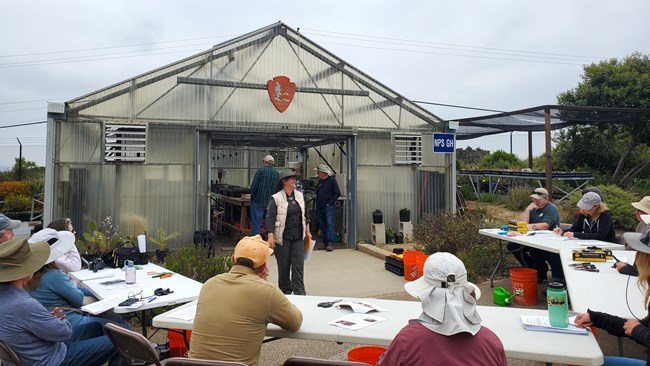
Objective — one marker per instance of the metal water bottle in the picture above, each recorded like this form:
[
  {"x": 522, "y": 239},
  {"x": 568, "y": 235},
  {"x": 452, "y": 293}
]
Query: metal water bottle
[
  {"x": 558, "y": 309},
  {"x": 130, "y": 272}
]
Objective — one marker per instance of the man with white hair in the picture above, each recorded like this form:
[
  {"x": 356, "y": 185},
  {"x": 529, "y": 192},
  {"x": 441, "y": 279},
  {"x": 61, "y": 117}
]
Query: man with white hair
[
  {"x": 7, "y": 227},
  {"x": 327, "y": 192},
  {"x": 449, "y": 330},
  {"x": 262, "y": 187}
]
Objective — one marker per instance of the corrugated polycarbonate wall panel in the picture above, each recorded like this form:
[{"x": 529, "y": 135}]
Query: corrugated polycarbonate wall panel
[{"x": 80, "y": 142}]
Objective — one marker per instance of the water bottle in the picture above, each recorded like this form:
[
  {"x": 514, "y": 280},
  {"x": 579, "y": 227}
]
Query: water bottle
[
  {"x": 130, "y": 272},
  {"x": 558, "y": 309}
]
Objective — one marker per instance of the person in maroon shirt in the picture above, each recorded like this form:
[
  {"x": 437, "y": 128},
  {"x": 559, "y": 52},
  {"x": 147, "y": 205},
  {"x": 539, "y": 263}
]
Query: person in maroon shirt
[{"x": 449, "y": 330}]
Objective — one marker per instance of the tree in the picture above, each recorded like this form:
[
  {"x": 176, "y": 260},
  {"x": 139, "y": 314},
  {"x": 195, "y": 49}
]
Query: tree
[
  {"x": 614, "y": 83},
  {"x": 501, "y": 160},
  {"x": 469, "y": 158}
]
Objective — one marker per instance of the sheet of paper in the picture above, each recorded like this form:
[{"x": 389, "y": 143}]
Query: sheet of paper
[
  {"x": 184, "y": 314},
  {"x": 86, "y": 275},
  {"x": 123, "y": 285},
  {"x": 99, "y": 307},
  {"x": 542, "y": 324},
  {"x": 310, "y": 250},
  {"x": 356, "y": 321},
  {"x": 361, "y": 307}
]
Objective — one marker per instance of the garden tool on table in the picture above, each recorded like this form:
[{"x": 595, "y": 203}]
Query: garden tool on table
[{"x": 503, "y": 297}]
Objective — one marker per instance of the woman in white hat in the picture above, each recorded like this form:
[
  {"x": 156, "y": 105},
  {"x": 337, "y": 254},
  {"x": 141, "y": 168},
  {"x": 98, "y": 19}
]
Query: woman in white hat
[
  {"x": 594, "y": 222},
  {"x": 52, "y": 287},
  {"x": 636, "y": 329}
]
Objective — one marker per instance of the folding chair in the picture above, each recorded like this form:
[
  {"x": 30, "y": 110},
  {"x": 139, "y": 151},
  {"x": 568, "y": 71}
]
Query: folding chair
[
  {"x": 182, "y": 361},
  {"x": 132, "y": 345},
  {"x": 306, "y": 361},
  {"x": 7, "y": 354}
]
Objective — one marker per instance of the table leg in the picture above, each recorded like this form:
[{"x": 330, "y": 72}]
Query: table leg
[
  {"x": 496, "y": 268},
  {"x": 243, "y": 224},
  {"x": 620, "y": 346},
  {"x": 143, "y": 320}
]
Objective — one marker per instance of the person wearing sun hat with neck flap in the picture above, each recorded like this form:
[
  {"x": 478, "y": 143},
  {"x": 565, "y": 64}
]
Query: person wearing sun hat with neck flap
[
  {"x": 234, "y": 308},
  {"x": 37, "y": 335},
  {"x": 449, "y": 330}
]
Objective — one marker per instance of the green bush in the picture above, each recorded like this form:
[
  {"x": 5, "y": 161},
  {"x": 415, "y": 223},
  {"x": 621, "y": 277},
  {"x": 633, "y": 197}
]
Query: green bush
[
  {"x": 17, "y": 203},
  {"x": 194, "y": 262},
  {"x": 488, "y": 197},
  {"x": 518, "y": 198},
  {"x": 467, "y": 191},
  {"x": 619, "y": 203},
  {"x": 445, "y": 232}
]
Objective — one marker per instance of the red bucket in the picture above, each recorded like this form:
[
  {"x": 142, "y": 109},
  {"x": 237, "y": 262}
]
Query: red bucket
[
  {"x": 410, "y": 265},
  {"x": 419, "y": 260},
  {"x": 177, "y": 346},
  {"x": 367, "y": 354}
]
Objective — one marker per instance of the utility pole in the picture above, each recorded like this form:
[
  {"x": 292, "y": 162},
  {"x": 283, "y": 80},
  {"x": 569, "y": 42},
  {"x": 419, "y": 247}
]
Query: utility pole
[{"x": 20, "y": 160}]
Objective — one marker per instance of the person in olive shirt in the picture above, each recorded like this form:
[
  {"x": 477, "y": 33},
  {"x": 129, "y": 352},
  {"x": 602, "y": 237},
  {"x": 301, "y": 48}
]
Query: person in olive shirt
[
  {"x": 540, "y": 214},
  {"x": 235, "y": 308}
]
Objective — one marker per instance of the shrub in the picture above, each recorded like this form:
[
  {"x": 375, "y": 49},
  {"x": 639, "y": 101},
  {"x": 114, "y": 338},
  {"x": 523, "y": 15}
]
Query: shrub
[
  {"x": 17, "y": 203},
  {"x": 13, "y": 188},
  {"x": 445, "y": 232},
  {"x": 518, "y": 198},
  {"x": 488, "y": 197},
  {"x": 194, "y": 262}
]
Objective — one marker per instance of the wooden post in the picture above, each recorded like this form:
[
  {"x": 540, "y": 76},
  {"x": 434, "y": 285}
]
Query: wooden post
[{"x": 547, "y": 131}]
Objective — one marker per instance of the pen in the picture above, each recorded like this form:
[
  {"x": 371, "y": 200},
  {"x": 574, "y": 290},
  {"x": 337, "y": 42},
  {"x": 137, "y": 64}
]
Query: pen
[{"x": 151, "y": 299}]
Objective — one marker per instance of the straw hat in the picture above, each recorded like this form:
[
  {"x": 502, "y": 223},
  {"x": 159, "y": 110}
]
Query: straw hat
[{"x": 643, "y": 205}]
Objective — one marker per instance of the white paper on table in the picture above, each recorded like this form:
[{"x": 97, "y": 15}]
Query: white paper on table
[
  {"x": 123, "y": 285},
  {"x": 86, "y": 275},
  {"x": 356, "y": 321},
  {"x": 142, "y": 243},
  {"x": 543, "y": 324},
  {"x": 558, "y": 237},
  {"x": 187, "y": 313},
  {"x": 311, "y": 249},
  {"x": 361, "y": 307},
  {"x": 99, "y": 307}
]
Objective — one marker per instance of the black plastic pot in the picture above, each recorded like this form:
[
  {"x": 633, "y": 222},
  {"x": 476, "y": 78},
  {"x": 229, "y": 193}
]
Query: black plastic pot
[
  {"x": 399, "y": 238},
  {"x": 378, "y": 217},
  {"x": 404, "y": 216}
]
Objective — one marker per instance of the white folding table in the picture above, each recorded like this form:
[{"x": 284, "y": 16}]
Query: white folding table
[
  {"x": 504, "y": 322},
  {"x": 544, "y": 240},
  {"x": 184, "y": 289}
]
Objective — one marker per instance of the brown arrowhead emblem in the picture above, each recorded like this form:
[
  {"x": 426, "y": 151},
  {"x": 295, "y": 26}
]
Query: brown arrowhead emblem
[{"x": 281, "y": 91}]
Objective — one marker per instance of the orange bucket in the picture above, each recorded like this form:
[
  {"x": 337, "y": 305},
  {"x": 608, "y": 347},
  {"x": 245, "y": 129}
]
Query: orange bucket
[
  {"x": 367, "y": 354},
  {"x": 419, "y": 260},
  {"x": 524, "y": 280},
  {"x": 177, "y": 346},
  {"x": 410, "y": 265}
]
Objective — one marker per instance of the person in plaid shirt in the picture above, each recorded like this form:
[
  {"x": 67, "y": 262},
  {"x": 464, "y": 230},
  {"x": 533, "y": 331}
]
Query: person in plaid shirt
[{"x": 262, "y": 188}]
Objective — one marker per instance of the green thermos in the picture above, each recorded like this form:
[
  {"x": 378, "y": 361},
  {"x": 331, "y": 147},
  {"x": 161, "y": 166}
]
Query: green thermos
[{"x": 558, "y": 309}]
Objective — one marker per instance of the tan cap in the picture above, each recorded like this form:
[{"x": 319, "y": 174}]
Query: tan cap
[
  {"x": 539, "y": 193},
  {"x": 253, "y": 248},
  {"x": 269, "y": 159}
]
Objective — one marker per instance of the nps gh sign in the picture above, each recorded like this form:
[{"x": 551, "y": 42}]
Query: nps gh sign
[{"x": 444, "y": 142}]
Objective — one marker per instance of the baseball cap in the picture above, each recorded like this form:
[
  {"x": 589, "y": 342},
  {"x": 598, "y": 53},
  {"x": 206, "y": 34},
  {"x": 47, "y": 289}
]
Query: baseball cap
[
  {"x": 7, "y": 223},
  {"x": 448, "y": 306},
  {"x": 539, "y": 193},
  {"x": 325, "y": 169},
  {"x": 60, "y": 242},
  {"x": 589, "y": 200},
  {"x": 253, "y": 248},
  {"x": 269, "y": 159}
]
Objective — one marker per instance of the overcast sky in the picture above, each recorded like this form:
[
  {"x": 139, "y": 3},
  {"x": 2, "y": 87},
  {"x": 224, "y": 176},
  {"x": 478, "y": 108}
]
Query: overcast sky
[{"x": 501, "y": 55}]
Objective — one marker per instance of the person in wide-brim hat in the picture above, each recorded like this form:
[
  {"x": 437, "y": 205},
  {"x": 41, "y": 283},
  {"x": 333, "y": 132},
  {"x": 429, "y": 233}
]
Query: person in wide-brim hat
[{"x": 19, "y": 259}]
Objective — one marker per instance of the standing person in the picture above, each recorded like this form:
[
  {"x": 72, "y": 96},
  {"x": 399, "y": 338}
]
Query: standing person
[
  {"x": 234, "y": 308},
  {"x": 594, "y": 222},
  {"x": 449, "y": 330},
  {"x": 541, "y": 214},
  {"x": 262, "y": 188},
  {"x": 71, "y": 261},
  {"x": 636, "y": 329},
  {"x": 327, "y": 192},
  {"x": 7, "y": 227},
  {"x": 287, "y": 227},
  {"x": 38, "y": 336}
]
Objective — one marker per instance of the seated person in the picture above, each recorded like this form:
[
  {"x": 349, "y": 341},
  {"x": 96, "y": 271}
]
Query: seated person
[
  {"x": 71, "y": 261},
  {"x": 541, "y": 214},
  {"x": 53, "y": 288},
  {"x": 449, "y": 330},
  {"x": 38, "y": 336},
  {"x": 234, "y": 308},
  {"x": 594, "y": 222},
  {"x": 640, "y": 208},
  {"x": 7, "y": 227}
]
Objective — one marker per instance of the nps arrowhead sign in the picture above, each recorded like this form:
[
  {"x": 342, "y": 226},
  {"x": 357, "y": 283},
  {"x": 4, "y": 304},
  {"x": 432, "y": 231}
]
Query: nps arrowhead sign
[{"x": 444, "y": 142}]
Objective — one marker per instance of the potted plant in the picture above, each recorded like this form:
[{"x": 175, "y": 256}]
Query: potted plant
[
  {"x": 377, "y": 216},
  {"x": 390, "y": 235},
  {"x": 100, "y": 242},
  {"x": 404, "y": 215},
  {"x": 399, "y": 238},
  {"x": 161, "y": 243}
]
